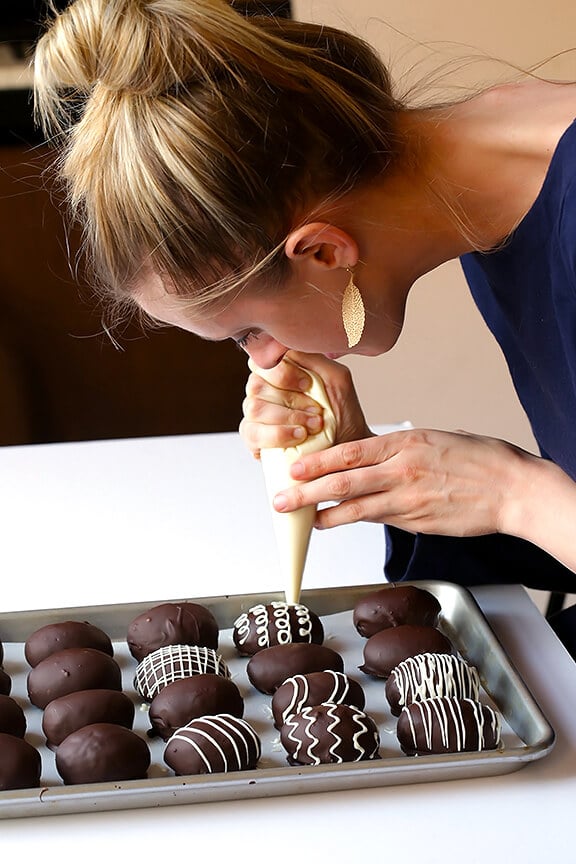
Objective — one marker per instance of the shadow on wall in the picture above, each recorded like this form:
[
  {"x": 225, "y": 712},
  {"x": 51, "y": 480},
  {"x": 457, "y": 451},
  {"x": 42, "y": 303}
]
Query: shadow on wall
[{"x": 61, "y": 378}]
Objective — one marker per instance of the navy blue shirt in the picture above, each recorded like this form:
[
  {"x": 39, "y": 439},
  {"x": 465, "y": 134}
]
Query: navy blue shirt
[{"x": 526, "y": 293}]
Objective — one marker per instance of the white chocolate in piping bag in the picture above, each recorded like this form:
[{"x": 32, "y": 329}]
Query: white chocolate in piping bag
[{"x": 293, "y": 530}]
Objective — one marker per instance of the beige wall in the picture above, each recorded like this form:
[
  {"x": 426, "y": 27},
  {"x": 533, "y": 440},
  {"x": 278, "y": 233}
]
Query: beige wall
[{"x": 447, "y": 371}]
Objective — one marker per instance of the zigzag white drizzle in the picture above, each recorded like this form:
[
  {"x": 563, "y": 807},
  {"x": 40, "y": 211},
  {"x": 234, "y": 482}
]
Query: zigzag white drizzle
[
  {"x": 273, "y": 624},
  {"x": 446, "y": 714},
  {"x": 240, "y": 746},
  {"x": 172, "y": 662},
  {"x": 301, "y": 691},
  {"x": 304, "y": 738},
  {"x": 427, "y": 675}
]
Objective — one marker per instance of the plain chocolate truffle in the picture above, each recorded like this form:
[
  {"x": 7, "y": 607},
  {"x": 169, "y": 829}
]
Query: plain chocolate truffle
[
  {"x": 445, "y": 724},
  {"x": 102, "y": 753},
  {"x": 322, "y": 734},
  {"x": 275, "y": 623},
  {"x": 172, "y": 624},
  {"x": 70, "y": 670},
  {"x": 268, "y": 669},
  {"x": 68, "y": 713},
  {"x": 52, "y": 638},
  {"x": 387, "y": 648},
  {"x": 212, "y": 745},
  {"x": 173, "y": 662},
  {"x": 20, "y": 763},
  {"x": 190, "y": 698},
  {"x": 302, "y": 691},
  {"x": 395, "y": 605},
  {"x": 427, "y": 675},
  {"x": 12, "y": 717}
]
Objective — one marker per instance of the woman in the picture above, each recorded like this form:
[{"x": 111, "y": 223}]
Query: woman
[{"x": 259, "y": 180}]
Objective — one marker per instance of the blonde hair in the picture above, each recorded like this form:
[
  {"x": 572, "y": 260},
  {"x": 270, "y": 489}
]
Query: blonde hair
[{"x": 194, "y": 138}]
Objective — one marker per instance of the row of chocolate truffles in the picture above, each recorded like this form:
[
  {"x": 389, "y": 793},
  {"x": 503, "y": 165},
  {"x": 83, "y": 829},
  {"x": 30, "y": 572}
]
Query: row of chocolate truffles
[{"x": 281, "y": 625}]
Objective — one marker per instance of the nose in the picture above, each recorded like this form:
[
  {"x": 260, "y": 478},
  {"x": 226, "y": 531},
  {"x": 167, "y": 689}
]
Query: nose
[{"x": 266, "y": 352}]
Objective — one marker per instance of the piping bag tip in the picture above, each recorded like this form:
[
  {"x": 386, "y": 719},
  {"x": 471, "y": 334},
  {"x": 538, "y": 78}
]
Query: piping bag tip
[{"x": 293, "y": 530}]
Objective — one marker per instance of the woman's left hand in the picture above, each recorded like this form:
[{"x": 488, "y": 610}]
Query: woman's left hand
[{"x": 419, "y": 480}]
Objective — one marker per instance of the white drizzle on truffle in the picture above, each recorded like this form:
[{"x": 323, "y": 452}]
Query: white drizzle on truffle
[
  {"x": 427, "y": 675},
  {"x": 173, "y": 662}
]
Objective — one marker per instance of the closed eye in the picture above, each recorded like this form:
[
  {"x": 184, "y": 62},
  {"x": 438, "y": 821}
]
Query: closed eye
[{"x": 243, "y": 341}]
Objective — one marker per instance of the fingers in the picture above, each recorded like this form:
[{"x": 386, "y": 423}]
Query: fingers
[
  {"x": 283, "y": 376},
  {"x": 348, "y": 456},
  {"x": 339, "y": 486},
  {"x": 258, "y": 436}
]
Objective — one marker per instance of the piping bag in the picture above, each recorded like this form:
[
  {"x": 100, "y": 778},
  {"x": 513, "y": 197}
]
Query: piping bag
[{"x": 293, "y": 530}]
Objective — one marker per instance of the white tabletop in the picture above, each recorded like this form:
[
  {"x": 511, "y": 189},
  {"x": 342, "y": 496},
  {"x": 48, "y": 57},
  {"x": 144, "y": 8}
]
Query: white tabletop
[{"x": 155, "y": 519}]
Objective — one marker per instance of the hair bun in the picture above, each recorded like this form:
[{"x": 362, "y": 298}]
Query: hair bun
[{"x": 136, "y": 46}]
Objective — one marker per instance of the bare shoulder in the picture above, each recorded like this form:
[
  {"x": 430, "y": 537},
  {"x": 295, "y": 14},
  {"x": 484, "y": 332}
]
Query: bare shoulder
[{"x": 541, "y": 110}]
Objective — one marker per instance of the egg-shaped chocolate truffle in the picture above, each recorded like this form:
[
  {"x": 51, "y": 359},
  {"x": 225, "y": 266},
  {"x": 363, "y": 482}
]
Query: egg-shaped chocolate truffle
[
  {"x": 445, "y": 724},
  {"x": 20, "y": 763},
  {"x": 328, "y": 733},
  {"x": 70, "y": 670},
  {"x": 269, "y": 668},
  {"x": 212, "y": 745},
  {"x": 5, "y": 683},
  {"x": 387, "y": 648},
  {"x": 52, "y": 638},
  {"x": 303, "y": 691},
  {"x": 172, "y": 662},
  {"x": 68, "y": 713},
  {"x": 394, "y": 605},
  {"x": 189, "y": 698},
  {"x": 427, "y": 675},
  {"x": 12, "y": 717},
  {"x": 172, "y": 624},
  {"x": 102, "y": 753},
  {"x": 275, "y": 623}
]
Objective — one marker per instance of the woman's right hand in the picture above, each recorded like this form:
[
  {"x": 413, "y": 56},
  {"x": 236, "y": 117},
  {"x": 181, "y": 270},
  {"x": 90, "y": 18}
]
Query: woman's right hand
[{"x": 278, "y": 412}]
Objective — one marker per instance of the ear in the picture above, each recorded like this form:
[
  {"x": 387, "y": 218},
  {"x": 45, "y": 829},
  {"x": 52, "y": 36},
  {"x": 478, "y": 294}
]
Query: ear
[{"x": 322, "y": 244}]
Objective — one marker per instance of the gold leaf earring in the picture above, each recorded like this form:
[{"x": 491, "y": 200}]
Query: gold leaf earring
[{"x": 353, "y": 312}]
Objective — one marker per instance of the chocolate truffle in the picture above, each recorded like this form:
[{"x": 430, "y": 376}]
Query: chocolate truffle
[
  {"x": 329, "y": 733},
  {"x": 275, "y": 624},
  {"x": 395, "y": 605},
  {"x": 269, "y": 668},
  {"x": 387, "y": 648},
  {"x": 65, "y": 634},
  {"x": 5, "y": 683},
  {"x": 172, "y": 662},
  {"x": 211, "y": 745},
  {"x": 70, "y": 670},
  {"x": 20, "y": 763},
  {"x": 101, "y": 753},
  {"x": 189, "y": 698},
  {"x": 12, "y": 717},
  {"x": 68, "y": 713},
  {"x": 445, "y": 724},
  {"x": 303, "y": 691},
  {"x": 172, "y": 624},
  {"x": 427, "y": 675}
]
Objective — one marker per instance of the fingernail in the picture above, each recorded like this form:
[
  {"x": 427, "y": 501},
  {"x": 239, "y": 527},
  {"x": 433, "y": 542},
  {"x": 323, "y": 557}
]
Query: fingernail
[
  {"x": 297, "y": 470},
  {"x": 313, "y": 409},
  {"x": 314, "y": 424},
  {"x": 280, "y": 502},
  {"x": 304, "y": 384},
  {"x": 299, "y": 432}
]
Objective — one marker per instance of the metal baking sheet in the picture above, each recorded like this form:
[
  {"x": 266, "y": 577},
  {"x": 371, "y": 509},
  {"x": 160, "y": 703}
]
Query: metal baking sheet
[{"x": 527, "y": 735}]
